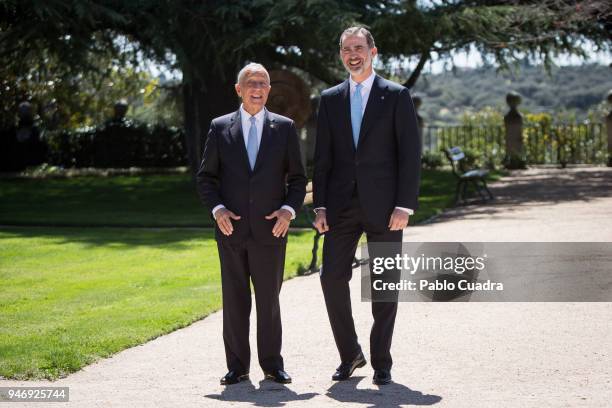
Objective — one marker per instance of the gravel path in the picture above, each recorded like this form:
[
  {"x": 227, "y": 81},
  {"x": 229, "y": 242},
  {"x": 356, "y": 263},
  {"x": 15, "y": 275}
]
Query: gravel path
[{"x": 446, "y": 354}]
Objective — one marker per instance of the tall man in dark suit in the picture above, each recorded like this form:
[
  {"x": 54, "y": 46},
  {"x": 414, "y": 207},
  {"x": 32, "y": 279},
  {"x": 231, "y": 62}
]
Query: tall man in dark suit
[
  {"x": 366, "y": 179},
  {"x": 253, "y": 179}
]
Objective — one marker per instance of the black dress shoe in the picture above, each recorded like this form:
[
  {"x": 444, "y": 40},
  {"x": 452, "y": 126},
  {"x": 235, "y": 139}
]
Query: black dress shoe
[
  {"x": 278, "y": 376},
  {"x": 381, "y": 377},
  {"x": 346, "y": 369},
  {"x": 233, "y": 377}
]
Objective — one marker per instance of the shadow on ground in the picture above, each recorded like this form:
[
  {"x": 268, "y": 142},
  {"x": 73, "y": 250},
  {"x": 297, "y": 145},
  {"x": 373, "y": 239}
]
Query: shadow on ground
[
  {"x": 269, "y": 394},
  {"x": 388, "y": 396},
  {"x": 538, "y": 187}
]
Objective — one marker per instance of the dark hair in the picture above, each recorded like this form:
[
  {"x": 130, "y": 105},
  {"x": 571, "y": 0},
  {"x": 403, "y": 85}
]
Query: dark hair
[{"x": 356, "y": 30}]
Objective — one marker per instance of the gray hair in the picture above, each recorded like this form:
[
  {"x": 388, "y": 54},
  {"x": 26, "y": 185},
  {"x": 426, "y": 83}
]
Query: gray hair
[
  {"x": 249, "y": 68},
  {"x": 356, "y": 30}
]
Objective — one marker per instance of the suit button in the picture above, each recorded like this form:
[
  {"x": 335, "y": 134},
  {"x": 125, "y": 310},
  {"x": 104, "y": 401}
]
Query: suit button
[
  {"x": 356, "y": 162},
  {"x": 251, "y": 200}
]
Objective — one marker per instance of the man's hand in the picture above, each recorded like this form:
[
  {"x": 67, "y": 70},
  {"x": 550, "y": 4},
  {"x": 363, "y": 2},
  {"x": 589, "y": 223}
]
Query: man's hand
[
  {"x": 224, "y": 218},
  {"x": 320, "y": 222},
  {"x": 283, "y": 219},
  {"x": 398, "y": 220}
]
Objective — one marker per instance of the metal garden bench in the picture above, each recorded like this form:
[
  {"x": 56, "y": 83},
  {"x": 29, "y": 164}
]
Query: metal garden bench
[
  {"x": 475, "y": 177},
  {"x": 308, "y": 211}
]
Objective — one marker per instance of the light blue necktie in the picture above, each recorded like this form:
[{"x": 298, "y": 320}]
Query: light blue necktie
[
  {"x": 356, "y": 113},
  {"x": 252, "y": 143}
]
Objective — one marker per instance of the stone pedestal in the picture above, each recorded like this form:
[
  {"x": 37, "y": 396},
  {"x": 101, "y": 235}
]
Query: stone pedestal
[
  {"x": 609, "y": 129},
  {"x": 513, "y": 122}
]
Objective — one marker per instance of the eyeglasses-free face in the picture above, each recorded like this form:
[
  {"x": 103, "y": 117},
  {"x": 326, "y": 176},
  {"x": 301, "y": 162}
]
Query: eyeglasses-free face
[
  {"x": 357, "y": 56},
  {"x": 254, "y": 90}
]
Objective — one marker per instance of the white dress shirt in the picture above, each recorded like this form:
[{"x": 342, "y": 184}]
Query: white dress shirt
[
  {"x": 366, "y": 87},
  {"x": 245, "y": 119}
]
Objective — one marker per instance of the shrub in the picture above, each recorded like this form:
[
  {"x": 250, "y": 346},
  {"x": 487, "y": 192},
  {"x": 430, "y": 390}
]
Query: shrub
[
  {"x": 432, "y": 160},
  {"x": 118, "y": 144}
]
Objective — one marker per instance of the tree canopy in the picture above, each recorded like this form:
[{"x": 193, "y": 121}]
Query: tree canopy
[{"x": 209, "y": 41}]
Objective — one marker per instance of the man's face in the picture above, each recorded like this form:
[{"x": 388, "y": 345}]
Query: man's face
[
  {"x": 356, "y": 55},
  {"x": 254, "y": 89}
]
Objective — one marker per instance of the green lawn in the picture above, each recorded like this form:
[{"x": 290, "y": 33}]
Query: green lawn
[
  {"x": 148, "y": 200},
  {"x": 71, "y": 295}
]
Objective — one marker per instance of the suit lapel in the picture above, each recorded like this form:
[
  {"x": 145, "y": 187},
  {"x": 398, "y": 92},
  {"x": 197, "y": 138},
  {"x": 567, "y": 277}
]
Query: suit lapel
[
  {"x": 237, "y": 139},
  {"x": 373, "y": 108},
  {"x": 345, "y": 116},
  {"x": 266, "y": 139}
]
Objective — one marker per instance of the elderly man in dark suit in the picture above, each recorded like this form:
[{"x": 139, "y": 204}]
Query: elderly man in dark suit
[
  {"x": 253, "y": 180},
  {"x": 366, "y": 179}
]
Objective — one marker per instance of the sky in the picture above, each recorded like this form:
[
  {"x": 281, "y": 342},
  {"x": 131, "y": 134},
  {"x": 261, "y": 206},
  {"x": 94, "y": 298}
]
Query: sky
[
  {"x": 461, "y": 59},
  {"x": 473, "y": 59}
]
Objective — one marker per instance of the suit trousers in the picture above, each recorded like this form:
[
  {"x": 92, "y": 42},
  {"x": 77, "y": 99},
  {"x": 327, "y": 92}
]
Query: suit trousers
[
  {"x": 264, "y": 266},
  {"x": 339, "y": 249}
]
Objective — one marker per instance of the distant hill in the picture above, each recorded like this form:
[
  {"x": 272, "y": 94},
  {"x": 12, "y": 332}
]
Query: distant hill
[{"x": 571, "y": 88}]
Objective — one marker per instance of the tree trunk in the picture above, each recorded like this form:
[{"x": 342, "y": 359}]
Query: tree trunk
[
  {"x": 417, "y": 71},
  {"x": 204, "y": 99}
]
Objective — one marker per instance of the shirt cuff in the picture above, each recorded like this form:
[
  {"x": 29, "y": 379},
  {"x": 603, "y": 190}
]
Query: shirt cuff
[
  {"x": 217, "y": 208},
  {"x": 318, "y": 208},
  {"x": 291, "y": 210},
  {"x": 408, "y": 210}
]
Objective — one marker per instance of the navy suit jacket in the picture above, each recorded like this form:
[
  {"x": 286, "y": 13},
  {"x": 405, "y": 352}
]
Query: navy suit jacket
[
  {"x": 278, "y": 178},
  {"x": 385, "y": 167}
]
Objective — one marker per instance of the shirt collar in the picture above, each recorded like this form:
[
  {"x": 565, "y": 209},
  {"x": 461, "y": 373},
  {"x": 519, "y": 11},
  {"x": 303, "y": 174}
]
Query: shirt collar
[
  {"x": 367, "y": 83},
  {"x": 259, "y": 116}
]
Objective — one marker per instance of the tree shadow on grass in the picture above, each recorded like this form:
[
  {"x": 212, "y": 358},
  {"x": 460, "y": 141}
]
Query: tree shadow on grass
[
  {"x": 168, "y": 238},
  {"x": 118, "y": 238}
]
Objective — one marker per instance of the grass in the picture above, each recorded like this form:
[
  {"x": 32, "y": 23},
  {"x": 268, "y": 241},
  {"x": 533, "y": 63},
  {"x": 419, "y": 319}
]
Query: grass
[
  {"x": 147, "y": 200},
  {"x": 69, "y": 296},
  {"x": 72, "y": 295}
]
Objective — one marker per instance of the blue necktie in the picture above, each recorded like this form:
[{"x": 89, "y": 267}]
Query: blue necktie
[
  {"x": 356, "y": 113},
  {"x": 252, "y": 143}
]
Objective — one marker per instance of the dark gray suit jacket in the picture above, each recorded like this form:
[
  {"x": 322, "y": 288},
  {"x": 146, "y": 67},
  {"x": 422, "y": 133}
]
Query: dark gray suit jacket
[
  {"x": 225, "y": 176},
  {"x": 386, "y": 165}
]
